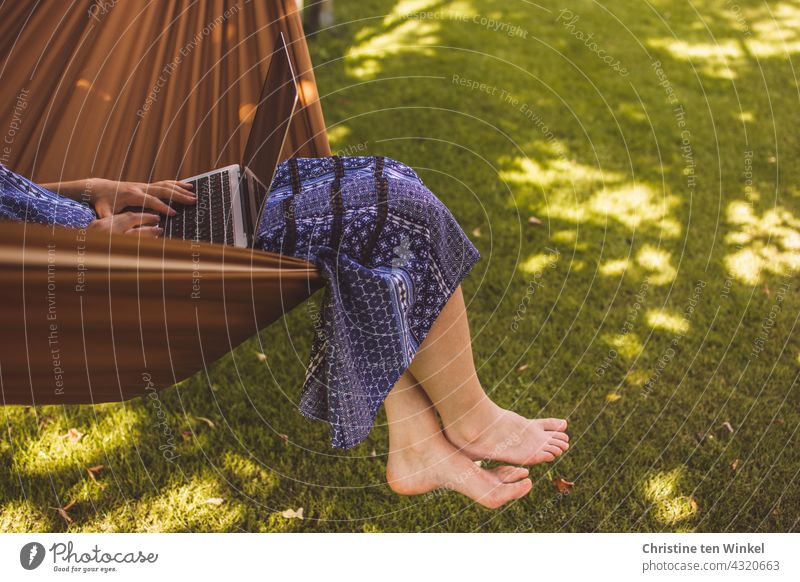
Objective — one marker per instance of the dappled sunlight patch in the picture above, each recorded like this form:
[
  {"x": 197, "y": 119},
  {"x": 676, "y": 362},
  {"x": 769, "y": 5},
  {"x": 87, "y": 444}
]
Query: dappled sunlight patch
[
  {"x": 637, "y": 378},
  {"x": 565, "y": 236},
  {"x": 560, "y": 171},
  {"x": 667, "y": 321},
  {"x": 615, "y": 267},
  {"x": 580, "y": 193},
  {"x": 662, "y": 490},
  {"x": 53, "y": 450},
  {"x": 635, "y": 205},
  {"x": 22, "y": 517},
  {"x": 745, "y": 265},
  {"x": 199, "y": 505},
  {"x": 338, "y": 134},
  {"x": 403, "y": 30},
  {"x": 770, "y": 242},
  {"x": 718, "y": 59},
  {"x": 659, "y": 263},
  {"x": 626, "y": 345},
  {"x": 536, "y": 264},
  {"x": 775, "y": 32}
]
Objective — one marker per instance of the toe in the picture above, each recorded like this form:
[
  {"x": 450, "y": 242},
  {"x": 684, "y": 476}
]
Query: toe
[
  {"x": 509, "y": 474},
  {"x": 555, "y": 424},
  {"x": 562, "y": 445},
  {"x": 553, "y": 450},
  {"x": 562, "y": 436}
]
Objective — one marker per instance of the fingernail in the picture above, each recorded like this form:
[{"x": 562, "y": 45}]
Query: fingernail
[{"x": 172, "y": 212}]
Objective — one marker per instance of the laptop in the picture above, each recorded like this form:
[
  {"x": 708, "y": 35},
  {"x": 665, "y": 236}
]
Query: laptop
[{"x": 230, "y": 200}]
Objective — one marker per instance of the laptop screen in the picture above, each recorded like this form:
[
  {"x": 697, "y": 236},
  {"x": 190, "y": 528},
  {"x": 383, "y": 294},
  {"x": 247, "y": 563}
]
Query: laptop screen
[{"x": 271, "y": 120}]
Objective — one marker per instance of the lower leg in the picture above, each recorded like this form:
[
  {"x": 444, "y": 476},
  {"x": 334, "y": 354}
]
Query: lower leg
[
  {"x": 445, "y": 369},
  {"x": 422, "y": 460}
]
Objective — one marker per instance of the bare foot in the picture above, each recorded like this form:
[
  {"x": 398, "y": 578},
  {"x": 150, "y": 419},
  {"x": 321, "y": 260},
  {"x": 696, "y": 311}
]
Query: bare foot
[
  {"x": 437, "y": 464},
  {"x": 491, "y": 432}
]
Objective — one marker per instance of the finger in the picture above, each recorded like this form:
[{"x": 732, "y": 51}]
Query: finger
[
  {"x": 146, "y": 231},
  {"x": 103, "y": 209},
  {"x": 176, "y": 194},
  {"x": 150, "y": 201},
  {"x": 179, "y": 184},
  {"x": 133, "y": 219}
]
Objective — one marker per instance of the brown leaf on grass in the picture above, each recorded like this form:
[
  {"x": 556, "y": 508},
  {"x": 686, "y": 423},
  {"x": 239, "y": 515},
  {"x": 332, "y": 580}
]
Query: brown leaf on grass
[
  {"x": 187, "y": 434},
  {"x": 262, "y": 357},
  {"x": 292, "y": 514},
  {"x": 533, "y": 221},
  {"x": 62, "y": 511},
  {"x": 284, "y": 438},
  {"x": 95, "y": 471},
  {"x": 477, "y": 232},
  {"x": 728, "y": 426},
  {"x": 562, "y": 486},
  {"x": 373, "y": 453},
  {"x": 74, "y": 435},
  {"x": 522, "y": 368},
  {"x": 215, "y": 501},
  {"x": 208, "y": 421},
  {"x": 613, "y": 397},
  {"x": 735, "y": 464},
  {"x": 693, "y": 504}
]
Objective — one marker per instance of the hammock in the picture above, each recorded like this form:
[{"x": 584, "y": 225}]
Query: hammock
[{"x": 142, "y": 91}]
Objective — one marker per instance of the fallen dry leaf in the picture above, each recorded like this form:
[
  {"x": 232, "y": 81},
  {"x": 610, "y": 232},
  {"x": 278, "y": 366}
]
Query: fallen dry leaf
[
  {"x": 292, "y": 514},
  {"x": 284, "y": 438},
  {"x": 74, "y": 435},
  {"x": 262, "y": 357},
  {"x": 477, "y": 232},
  {"x": 532, "y": 220},
  {"x": 187, "y": 434},
  {"x": 62, "y": 511},
  {"x": 735, "y": 465},
  {"x": 693, "y": 503},
  {"x": 208, "y": 421},
  {"x": 728, "y": 426},
  {"x": 373, "y": 453},
  {"x": 215, "y": 501},
  {"x": 522, "y": 368},
  {"x": 95, "y": 471},
  {"x": 562, "y": 486},
  {"x": 613, "y": 397}
]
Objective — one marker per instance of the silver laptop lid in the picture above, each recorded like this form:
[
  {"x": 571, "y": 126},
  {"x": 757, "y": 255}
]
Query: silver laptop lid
[{"x": 274, "y": 111}]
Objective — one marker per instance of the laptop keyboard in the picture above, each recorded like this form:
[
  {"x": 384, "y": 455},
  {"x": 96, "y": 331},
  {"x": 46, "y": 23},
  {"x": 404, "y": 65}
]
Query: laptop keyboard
[{"x": 210, "y": 219}]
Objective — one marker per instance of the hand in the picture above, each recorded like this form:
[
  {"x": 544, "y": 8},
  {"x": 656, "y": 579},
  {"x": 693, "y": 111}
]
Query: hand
[
  {"x": 110, "y": 197},
  {"x": 141, "y": 223}
]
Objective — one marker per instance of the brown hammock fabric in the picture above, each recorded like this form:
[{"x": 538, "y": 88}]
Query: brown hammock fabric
[{"x": 136, "y": 90}]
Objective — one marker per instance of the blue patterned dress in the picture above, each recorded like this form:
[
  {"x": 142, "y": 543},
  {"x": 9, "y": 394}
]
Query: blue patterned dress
[{"x": 391, "y": 255}]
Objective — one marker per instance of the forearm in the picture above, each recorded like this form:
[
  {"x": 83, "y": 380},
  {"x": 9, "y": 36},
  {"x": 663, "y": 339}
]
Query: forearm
[{"x": 80, "y": 190}]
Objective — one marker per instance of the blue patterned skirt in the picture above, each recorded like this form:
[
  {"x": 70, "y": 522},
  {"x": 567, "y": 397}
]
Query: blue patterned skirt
[
  {"x": 391, "y": 255},
  {"x": 390, "y": 252}
]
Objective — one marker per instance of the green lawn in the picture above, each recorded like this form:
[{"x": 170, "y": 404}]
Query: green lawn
[{"x": 656, "y": 301}]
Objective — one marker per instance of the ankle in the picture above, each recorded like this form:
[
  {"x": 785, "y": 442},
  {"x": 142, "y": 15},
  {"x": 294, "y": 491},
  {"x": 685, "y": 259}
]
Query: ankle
[{"x": 474, "y": 422}]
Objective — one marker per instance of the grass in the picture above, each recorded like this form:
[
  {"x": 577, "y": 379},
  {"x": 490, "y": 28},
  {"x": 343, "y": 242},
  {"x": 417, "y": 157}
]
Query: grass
[{"x": 656, "y": 301}]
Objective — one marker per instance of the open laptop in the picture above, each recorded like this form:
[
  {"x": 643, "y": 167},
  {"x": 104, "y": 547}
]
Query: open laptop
[{"x": 230, "y": 200}]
